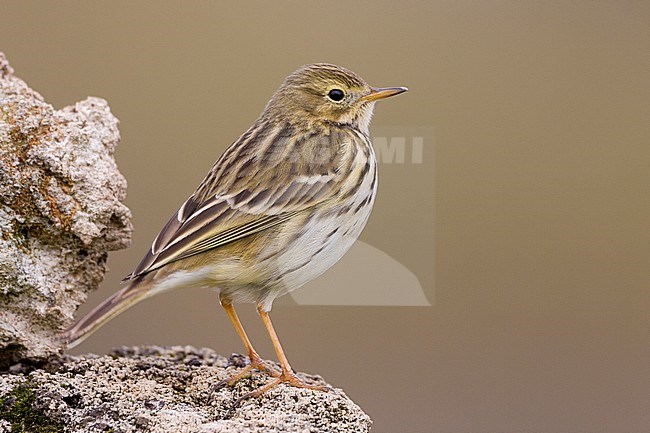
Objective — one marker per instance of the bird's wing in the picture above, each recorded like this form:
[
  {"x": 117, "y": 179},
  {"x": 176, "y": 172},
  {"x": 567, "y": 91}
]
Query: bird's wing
[{"x": 245, "y": 193}]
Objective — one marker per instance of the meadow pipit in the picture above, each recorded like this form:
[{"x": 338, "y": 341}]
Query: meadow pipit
[{"x": 282, "y": 204}]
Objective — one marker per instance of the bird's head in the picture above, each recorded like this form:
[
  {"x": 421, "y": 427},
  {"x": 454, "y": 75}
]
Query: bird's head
[{"x": 325, "y": 93}]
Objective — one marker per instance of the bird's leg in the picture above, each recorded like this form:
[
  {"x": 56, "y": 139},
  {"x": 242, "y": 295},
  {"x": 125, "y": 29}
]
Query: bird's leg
[
  {"x": 256, "y": 362},
  {"x": 288, "y": 374}
]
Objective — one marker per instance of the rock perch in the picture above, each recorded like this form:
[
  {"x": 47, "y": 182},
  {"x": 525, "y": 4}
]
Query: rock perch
[{"x": 155, "y": 389}]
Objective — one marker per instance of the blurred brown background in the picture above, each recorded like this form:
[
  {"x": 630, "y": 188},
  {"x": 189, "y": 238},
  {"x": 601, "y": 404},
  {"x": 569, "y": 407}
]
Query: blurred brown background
[{"x": 538, "y": 174}]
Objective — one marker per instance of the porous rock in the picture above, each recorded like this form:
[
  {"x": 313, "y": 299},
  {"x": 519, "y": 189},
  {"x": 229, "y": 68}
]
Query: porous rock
[
  {"x": 156, "y": 389},
  {"x": 61, "y": 211}
]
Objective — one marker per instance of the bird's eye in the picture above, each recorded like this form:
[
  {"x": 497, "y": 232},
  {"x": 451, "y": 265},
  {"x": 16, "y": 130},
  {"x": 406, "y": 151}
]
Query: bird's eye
[{"x": 336, "y": 95}]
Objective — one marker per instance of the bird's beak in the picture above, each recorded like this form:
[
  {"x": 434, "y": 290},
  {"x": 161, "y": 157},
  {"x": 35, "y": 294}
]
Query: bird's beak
[{"x": 382, "y": 92}]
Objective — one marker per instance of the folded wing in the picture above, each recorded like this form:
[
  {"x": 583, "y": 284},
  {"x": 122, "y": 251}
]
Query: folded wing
[{"x": 269, "y": 194}]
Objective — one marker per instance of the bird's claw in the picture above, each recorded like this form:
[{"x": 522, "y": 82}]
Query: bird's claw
[
  {"x": 286, "y": 377},
  {"x": 256, "y": 363}
]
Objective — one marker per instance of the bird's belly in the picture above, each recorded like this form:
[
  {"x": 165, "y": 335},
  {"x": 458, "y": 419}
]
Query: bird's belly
[{"x": 321, "y": 243}]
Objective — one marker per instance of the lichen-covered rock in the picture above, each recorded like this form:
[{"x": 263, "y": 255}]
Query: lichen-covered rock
[
  {"x": 157, "y": 389},
  {"x": 61, "y": 212}
]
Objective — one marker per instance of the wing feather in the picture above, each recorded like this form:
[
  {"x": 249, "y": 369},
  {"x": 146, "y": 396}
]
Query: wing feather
[{"x": 269, "y": 194}]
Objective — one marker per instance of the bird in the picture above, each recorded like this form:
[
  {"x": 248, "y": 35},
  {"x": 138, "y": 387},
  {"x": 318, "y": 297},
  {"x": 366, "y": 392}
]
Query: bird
[{"x": 283, "y": 203}]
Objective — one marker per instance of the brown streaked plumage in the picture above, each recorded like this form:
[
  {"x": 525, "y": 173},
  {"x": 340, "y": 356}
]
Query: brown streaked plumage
[{"x": 281, "y": 205}]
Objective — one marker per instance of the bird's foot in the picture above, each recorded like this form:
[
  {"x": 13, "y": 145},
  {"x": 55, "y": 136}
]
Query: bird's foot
[
  {"x": 256, "y": 363},
  {"x": 288, "y": 377}
]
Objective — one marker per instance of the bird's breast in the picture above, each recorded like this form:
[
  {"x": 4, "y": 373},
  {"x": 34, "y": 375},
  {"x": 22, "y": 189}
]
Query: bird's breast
[{"x": 328, "y": 232}]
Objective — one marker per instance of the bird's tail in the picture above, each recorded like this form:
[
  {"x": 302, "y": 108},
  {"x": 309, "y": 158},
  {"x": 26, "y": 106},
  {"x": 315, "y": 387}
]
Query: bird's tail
[{"x": 111, "y": 307}]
